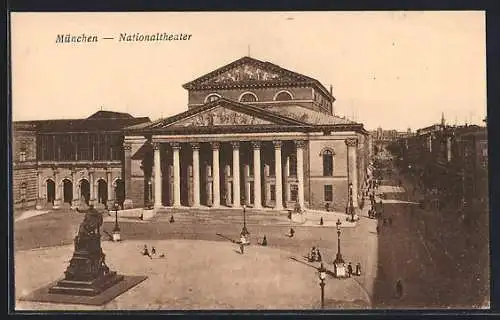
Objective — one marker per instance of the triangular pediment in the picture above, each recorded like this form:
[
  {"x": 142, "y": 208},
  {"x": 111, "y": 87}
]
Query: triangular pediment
[
  {"x": 224, "y": 113},
  {"x": 247, "y": 71},
  {"x": 221, "y": 116}
]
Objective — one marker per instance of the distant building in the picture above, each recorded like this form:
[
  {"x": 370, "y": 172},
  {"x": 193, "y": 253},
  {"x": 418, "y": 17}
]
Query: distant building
[
  {"x": 452, "y": 160},
  {"x": 65, "y": 162}
]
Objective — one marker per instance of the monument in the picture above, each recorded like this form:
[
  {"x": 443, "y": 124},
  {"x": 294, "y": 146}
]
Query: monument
[{"x": 87, "y": 273}]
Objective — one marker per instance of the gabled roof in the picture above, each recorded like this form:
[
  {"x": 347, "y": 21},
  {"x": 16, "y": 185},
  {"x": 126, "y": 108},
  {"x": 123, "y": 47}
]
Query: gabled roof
[
  {"x": 264, "y": 117},
  {"x": 307, "y": 115},
  {"x": 284, "y": 77}
]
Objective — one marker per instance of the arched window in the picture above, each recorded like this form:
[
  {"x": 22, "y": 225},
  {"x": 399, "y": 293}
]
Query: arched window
[
  {"x": 212, "y": 97},
  {"x": 283, "y": 96},
  {"x": 248, "y": 97},
  {"x": 327, "y": 163}
]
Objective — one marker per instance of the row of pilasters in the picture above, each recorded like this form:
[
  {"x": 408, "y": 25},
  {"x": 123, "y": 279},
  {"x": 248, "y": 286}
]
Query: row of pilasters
[{"x": 232, "y": 181}]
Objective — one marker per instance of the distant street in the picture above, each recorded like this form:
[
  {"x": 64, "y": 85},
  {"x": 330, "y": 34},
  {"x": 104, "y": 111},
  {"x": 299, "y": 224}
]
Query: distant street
[{"x": 437, "y": 258}]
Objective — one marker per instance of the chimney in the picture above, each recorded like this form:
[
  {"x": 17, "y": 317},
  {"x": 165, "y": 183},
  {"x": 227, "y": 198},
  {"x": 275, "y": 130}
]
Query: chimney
[{"x": 331, "y": 90}]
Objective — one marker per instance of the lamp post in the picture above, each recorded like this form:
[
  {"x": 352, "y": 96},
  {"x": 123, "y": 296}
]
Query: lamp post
[
  {"x": 244, "y": 230},
  {"x": 322, "y": 277},
  {"x": 116, "y": 229},
  {"x": 338, "y": 258},
  {"x": 351, "y": 208}
]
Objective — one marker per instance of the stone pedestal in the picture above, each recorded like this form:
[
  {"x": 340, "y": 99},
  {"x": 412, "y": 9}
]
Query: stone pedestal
[{"x": 87, "y": 273}]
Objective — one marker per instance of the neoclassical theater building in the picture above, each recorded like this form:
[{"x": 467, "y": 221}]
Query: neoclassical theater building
[{"x": 253, "y": 133}]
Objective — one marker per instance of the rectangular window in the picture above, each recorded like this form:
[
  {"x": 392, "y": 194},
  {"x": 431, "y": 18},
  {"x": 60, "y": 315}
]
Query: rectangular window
[
  {"x": 328, "y": 192},
  {"x": 273, "y": 192},
  {"x": 22, "y": 156},
  {"x": 294, "y": 192}
]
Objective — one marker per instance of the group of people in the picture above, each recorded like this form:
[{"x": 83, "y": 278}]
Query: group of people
[
  {"x": 315, "y": 255},
  {"x": 145, "y": 252},
  {"x": 351, "y": 272}
]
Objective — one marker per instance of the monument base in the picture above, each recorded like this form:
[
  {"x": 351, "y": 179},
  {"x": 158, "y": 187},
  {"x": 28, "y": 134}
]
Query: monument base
[
  {"x": 86, "y": 288},
  {"x": 43, "y": 294}
]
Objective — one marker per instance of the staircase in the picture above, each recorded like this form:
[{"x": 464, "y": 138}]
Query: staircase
[{"x": 224, "y": 216}]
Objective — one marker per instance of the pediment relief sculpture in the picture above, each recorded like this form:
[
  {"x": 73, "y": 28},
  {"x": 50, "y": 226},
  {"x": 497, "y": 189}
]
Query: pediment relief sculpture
[
  {"x": 221, "y": 117},
  {"x": 246, "y": 73}
]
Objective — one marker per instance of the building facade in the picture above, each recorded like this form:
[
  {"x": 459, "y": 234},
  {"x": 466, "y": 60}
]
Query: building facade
[
  {"x": 451, "y": 162},
  {"x": 69, "y": 162},
  {"x": 253, "y": 133}
]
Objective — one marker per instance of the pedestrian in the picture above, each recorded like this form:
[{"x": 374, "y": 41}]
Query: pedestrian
[
  {"x": 318, "y": 255},
  {"x": 349, "y": 269},
  {"x": 145, "y": 251},
  {"x": 358, "y": 269},
  {"x": 243, "y": 242},
  {"x": 321, "y": 221},
  {"x": 312, "y": 254},
  {"x": 153, "y": 250},
  {"x": 172, "y": 219},
  {"x": 292, "y": 232},
  {"x": 399, "y": 289},
  {"x": 264, "y": 241}
]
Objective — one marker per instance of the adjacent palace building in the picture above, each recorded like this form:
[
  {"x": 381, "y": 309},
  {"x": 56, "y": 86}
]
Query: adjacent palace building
[{"x": 253, "y": 133}]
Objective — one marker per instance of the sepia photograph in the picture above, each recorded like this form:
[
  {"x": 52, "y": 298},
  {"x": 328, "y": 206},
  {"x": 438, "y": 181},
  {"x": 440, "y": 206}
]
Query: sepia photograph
[{"x": 261, "y": 161}]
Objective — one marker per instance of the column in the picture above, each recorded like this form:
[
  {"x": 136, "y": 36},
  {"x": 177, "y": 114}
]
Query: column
[
  {"x": 127, "y": 168},
  {"x": 267, "y": 185},
  {"x": 216, "y": 174},
  {"x": 352, "y": 144},
  {"x": 40, "y": 202},
  {"x": 299, "y": 144},
  {"x": 109, "y": 181},
  {"x": 257, "y": 203},
  {"x": 227, "y": 180},
  {"x": 177, "y": 174},
  {"x": 157, "y": 175},
  {"x": 236, "y": 174},
  {"x": 196, "y": 174},
  {"x": 287, "y": 177},
  {"x": 74, "y": 202},
  {"x": 246, "y": 169},
  {"x": 92, "y": 189},
  {"x": 279, "y": 188}
]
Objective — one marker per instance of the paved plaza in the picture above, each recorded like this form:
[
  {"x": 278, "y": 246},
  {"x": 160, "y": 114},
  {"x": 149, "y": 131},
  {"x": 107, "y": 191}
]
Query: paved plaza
[{"x": 197, "y": 275}]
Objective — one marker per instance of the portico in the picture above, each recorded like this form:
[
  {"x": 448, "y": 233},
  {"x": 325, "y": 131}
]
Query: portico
[{"x": 214, "y": 179}]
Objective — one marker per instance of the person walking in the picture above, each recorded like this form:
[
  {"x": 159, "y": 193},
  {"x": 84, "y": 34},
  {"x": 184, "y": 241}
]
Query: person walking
[
  {"x": 312, "y": 255},
  {"x": 358, "y": 269},
  {"x": 318, "y": 255},
  {"x": 349, "y": 269}
]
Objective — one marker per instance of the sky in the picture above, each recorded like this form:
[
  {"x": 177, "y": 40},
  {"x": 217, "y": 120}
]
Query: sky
[{"x": 396, "y": 70}]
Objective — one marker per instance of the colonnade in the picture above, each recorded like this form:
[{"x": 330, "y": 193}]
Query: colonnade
[{"x": 213, "y": 187}]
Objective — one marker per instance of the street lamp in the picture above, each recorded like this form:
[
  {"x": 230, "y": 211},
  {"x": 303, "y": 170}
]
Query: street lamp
[
  {"x": 322, "y": 277},
  {"x": 116, "y": 230},
  {"x": 339, "y": 262},
  {"x": 244, "y": 231},
  {"x": 351, "y": 208}
]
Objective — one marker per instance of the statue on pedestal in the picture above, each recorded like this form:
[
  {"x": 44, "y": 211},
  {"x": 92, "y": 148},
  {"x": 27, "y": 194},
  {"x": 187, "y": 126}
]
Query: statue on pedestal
[{"x": 87, "y": 273}]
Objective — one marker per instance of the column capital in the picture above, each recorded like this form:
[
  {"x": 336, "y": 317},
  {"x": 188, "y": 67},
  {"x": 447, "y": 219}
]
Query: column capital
[
  {"x": 351, "y": 142},
  {"x": 235, "y": 144},
  {"x": 256, "y": 144},
  {"x": 215, "y": 145},
  {"x": 195, "y": 145},
  {"x": 156, "y": 145},
  {"x": 277, "y": 144},
  {"x": 300, "y": 143},
  {"x": 175, "y": 145}
]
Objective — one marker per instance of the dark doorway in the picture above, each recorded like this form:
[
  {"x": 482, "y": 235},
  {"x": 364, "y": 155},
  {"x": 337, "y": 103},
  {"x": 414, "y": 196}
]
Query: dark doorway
[
  {"x": 102, "y": 191},
  {"x": 51, "y": 191},
  {"x": 85, "y": 191},
  {"x": 120, "y": 192},
  {"x": 67, "y": 191}
]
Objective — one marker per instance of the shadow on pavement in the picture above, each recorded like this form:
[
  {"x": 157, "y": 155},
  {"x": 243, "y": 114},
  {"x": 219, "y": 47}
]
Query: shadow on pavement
[{"x": 431, "y": 252}]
